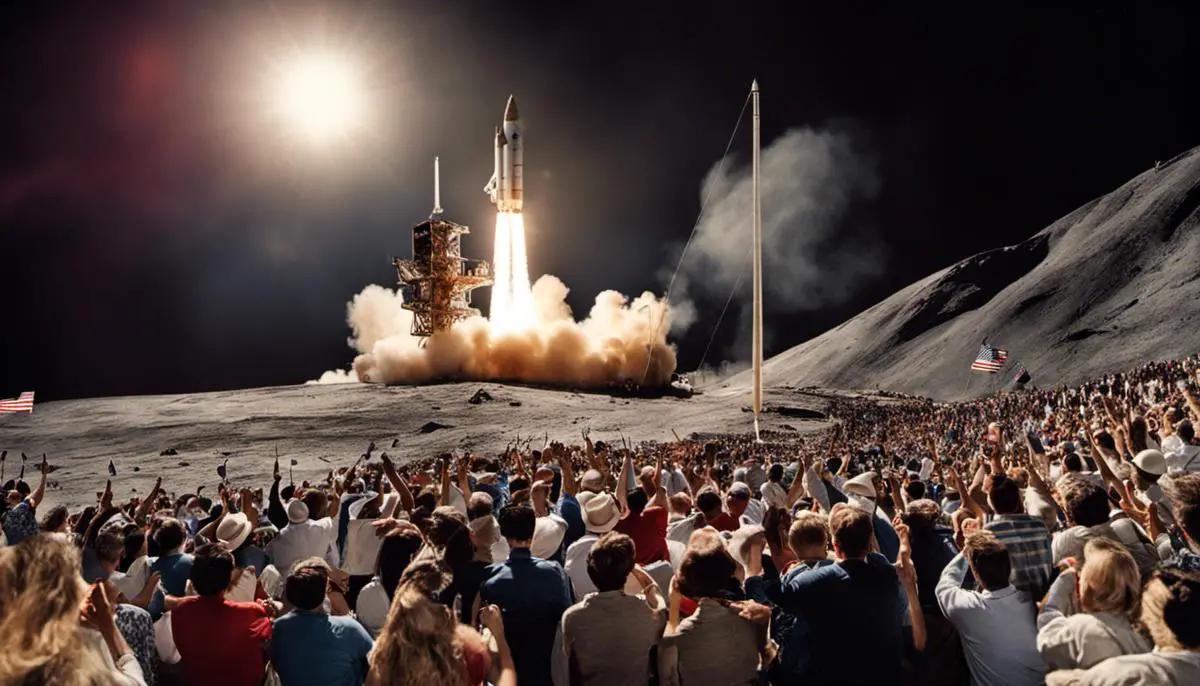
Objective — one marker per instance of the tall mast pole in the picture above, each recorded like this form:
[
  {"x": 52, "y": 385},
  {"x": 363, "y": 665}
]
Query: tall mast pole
[
  {"x": 756, "y": 204},
  {"x": 437, "y": 188}
]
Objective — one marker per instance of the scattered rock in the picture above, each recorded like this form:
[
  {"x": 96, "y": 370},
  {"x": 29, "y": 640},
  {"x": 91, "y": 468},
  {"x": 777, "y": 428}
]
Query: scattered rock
[
  {"x": 435, "y": 408},
  {"x": 787, "y": 427},
  {"x": 168, "y": 452},
  {"x": 799, "y": 412},
  {"x": 481, "y": 396},
  {"x": 185, "y": 464},
  {"x": 515, "y": 403},
  {"x": 395, "y": 442},
  {"x": 430, "y": 427},
  {"x": 225, "y": 453},
  {"x": 324, "y": 459},
  {"x": 137, "y": 469}
]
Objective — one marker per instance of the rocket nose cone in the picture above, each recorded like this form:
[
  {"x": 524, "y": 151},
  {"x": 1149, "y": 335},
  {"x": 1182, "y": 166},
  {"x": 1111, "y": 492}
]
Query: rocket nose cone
[{"x": 510, "y": 111}]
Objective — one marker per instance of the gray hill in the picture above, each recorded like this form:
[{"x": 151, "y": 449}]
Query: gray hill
[{"x": 1111, "y": 285}]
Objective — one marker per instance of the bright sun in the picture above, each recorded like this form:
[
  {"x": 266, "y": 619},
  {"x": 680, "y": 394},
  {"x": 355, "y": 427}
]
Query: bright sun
[{"x": 320, "y": 96}]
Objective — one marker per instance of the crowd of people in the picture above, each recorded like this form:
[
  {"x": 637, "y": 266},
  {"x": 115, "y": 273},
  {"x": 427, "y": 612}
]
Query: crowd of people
[{"x": 1030, "y": 537}]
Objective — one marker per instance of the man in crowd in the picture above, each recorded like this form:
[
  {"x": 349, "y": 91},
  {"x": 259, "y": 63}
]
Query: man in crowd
[{"x": 308, "y": 646}]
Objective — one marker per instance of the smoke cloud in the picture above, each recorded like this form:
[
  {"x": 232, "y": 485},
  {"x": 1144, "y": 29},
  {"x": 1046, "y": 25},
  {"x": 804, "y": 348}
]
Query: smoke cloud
[
  {"x": 812, "y": 255},
  {"x": 610, "y": 346}
]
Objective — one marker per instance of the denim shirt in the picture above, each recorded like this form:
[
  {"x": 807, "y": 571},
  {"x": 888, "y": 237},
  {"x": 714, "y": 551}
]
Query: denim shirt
[{"x": 532, "y": 594}]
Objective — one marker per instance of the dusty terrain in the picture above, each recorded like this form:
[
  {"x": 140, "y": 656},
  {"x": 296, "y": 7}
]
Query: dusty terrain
[
  {"x": 330, "y": 425},
  {"x": 1109, "y": 286}
]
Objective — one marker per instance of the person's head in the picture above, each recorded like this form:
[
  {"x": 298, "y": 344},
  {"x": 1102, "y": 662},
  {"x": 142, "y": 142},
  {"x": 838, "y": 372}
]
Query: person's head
[
  {"x": 707, "y": 568},
  {"x": 41, "y": 596},
  {"x": 134, "y": 542},
  {"x": 416, "y": 644},
  {"x": 396, "y": 551},
  {"x": 610, "y": 561},
  {"x": 637, "y": 500},
  {"x": 449, "y": 533},
  {"x": 708, "y": 501},
  {"x": 738, "y": 499},
  {"x": 915, "y": 490},
  {"x": 212, "y": 569},
  {"x": 775, "y": 473},
  {"x": 479, "y": 505},
  {"x": 109, "y": 546},
  {"x": 55, "y": 520},
  {"x": 922, "y": 515},
  {"x": 306, "y": 584},
  {"x": 1109, "y": 580},
  {"x": 808, "y": 536},
  {"x": 1072, "y": 463},
  {"x": 1171, "y": 609},
  {"x": 988, "y": 559},
  {"x": 1148, "y": 467},
  {"x": 431, "y": 577},
  {"x": 1084, "y": 501},
  {"x": 1003, "y": 494},
  {"x": 517, "y": 523},
  {"x": 680, "y": 504},
  {"x": 1184, "y": 492},
  {"x": 1185, "y": 431},
  {"x": 851, "y": 530},
  {"x": 169, "y": 535},
  {"x": 316, "y": 501}
]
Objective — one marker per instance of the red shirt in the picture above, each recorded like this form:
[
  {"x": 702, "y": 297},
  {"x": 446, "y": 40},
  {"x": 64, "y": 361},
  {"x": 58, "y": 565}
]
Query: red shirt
[
  {"x": 649, "y": 533},
  {"x": 220, "y": 641},
  {"x": 723, "y": 522}
]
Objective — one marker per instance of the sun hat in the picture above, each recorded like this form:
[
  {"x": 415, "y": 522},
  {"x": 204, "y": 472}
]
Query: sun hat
[
  {"x": 233, "y": 530},
  {"x": 601, "y": 514},
  {"x": 297, "y": 511}
]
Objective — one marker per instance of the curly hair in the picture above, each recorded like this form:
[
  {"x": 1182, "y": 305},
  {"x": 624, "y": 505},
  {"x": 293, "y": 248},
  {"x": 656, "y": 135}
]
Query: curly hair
[
  {"x": 41, "y": 594},
  {"x": 417, "y": 644}
]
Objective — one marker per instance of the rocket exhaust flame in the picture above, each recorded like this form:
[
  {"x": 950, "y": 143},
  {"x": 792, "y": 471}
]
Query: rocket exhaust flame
[{"x": 512, "y": 298}]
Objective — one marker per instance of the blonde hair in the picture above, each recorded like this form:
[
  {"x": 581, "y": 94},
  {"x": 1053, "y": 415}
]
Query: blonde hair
[
  {"x": 808, "y": 529},
  {"x": 1169, "y": 609},
  {"x": 417, "y": 644},
  {"x": 41, "y": 594},
  {"x": 1109, "y": 580}
]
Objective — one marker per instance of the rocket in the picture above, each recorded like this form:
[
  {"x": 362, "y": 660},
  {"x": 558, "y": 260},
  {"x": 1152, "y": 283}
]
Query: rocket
[{"x": 506, "y": 189}]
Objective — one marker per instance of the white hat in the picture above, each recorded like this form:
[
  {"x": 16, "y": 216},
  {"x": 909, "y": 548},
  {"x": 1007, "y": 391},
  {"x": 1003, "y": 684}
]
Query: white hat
[
  {"x": 739, "y": 542},
  {"x": 297, "y": 511},
  {"x": 741, "y": 489},
  {"x": 548, "y": 534},
  {"x": 601, "y": 514},
  {"x": 862, "y": 485},
  {"x": 234, "y": 529},
  {"x": 1151, "y": 461},
  {"x": 592, "y": 480}
]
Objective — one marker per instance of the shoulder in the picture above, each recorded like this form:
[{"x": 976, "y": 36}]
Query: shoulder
[
  {"x": 249, "y": 609},
  {"x": 1128, "y": 670}
]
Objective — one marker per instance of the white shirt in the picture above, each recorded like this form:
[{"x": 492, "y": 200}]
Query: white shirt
[
  {"x": 754, "y": 513},
  {"x": 927, "y": 466},
  {"x": 674, "y": 481},
  {"x": 372, "y": 607},
  {"x": 1181, "y": 458},
  {"x": 304, "y": 540},
  {"x": 130, "y": 583},
  {"x": 774, "y": 495},
  {"x": 126, "y": 670},
  {"x": 362, "y": 547},
  {"x": 576, "y": 565}
]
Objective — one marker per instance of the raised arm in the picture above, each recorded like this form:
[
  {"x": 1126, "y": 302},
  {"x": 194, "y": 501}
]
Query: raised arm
[
  {"x": 660, "y": 491},
  {"x": 407, "y": 502},
  {"x": 35, "y": 498},
  {"x": 147, "y": 505}
]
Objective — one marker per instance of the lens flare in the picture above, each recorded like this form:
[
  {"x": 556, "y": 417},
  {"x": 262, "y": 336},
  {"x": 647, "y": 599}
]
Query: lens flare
[{"x": 512, "y": 307}]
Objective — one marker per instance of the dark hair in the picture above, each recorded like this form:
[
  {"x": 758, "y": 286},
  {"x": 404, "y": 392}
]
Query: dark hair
[
  {"x": 851, "y": 529},
  {"x": 708, "y": 500},
  {"x": 397, "y": 550},
  {"x": 315, "y": 500},
  {"x": 989, "y": 560},
  {"x": 1086, "y": 503},
  {"x": 915, "y": 490},
  {"x": 305, "y": 586},
  {"x": 108, "y": 546},
  {"x": 212, "y": 569},
  {"x": 707, "y": 569},
  {"x": 428, "y": 576},
  {"x": 610, "y": 561},
  {"x": 775, "y": 473},
  {"x": 55, "y": 518},
  {"x": 286, "y": 493},
  {"x": 448, "y": 532},
  {"x": 1185, "y": 431},
  {"x": 1177, "y": 601},
  {"x": 1004, "y": 494},
  {"x": 479, "y": 505},
  {"x": 517, "y": 522},
  {"x": 637, "y": 500},
  {"x": 135, "y": 538},
  {"x": 169, "y": 535},
  {"x": 518, "y": 483},
  {"x": 1072, "y": 462},
  {"x": 922, "y": 515},
  {"x": 427, "y": 500},
  {"x": 1184, "y": 492}
]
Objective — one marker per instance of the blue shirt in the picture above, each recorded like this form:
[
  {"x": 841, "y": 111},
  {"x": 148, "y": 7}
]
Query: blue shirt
[
  {"x": 790, "y": 631},
  {"x": 569, "y": 510},
  {"x": 175, "y": 570},
  {"x": 532, "y": 594},
  {"x": 315, "y": 648},
  {"x": 20, "y": 523},
  {"x": 856, "y": 612}
]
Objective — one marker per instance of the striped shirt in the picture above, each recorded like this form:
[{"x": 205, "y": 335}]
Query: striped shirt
[{"x": 1028, "y": 544}]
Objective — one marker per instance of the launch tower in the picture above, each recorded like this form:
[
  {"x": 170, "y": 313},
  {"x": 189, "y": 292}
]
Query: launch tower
[{"x": 438, "y": 281}]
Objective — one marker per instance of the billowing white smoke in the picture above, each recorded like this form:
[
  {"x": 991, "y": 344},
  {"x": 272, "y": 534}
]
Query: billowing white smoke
[
  {"x": 812, "y": 255},
  {"x": 609, "y": 347}
]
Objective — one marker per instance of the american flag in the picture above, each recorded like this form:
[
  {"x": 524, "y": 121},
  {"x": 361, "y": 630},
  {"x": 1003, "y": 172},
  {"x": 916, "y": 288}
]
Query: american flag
[
  {"x": 23, "y": 403},
  {"x": 989, "y": 359}
]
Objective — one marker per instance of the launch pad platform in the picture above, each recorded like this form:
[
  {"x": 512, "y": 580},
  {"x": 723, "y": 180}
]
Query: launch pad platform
[{"x": 438, "y": 281}]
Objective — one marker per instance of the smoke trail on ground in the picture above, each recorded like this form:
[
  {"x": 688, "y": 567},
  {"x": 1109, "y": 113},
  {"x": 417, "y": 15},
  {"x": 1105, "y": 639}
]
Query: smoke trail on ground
[
  {"x": 610, "y": 346},
  {"x": 812, "y": 255}
]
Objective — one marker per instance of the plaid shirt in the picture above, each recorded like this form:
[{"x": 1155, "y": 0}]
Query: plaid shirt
[{"x": 1028, "y": 545}]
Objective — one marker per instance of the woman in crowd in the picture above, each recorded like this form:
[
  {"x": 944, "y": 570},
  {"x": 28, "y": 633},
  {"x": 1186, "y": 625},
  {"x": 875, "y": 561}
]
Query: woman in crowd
[
  {"x": 399, "y": 547},
  {"x": 1108, "y": 587},
  {"x": 42, "y": 637}
]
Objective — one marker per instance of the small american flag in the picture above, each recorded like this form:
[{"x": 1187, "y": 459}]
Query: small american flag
[
  {"x": 989, "y": 359},
  {"x": 23, "y": 403}
]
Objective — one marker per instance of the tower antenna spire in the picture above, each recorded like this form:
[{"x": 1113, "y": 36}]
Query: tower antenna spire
[{"x": 437, "y": 187}]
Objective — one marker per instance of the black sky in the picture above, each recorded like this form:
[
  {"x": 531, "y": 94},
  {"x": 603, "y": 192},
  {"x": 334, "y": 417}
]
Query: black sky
[{"x": 157, "y": 236}]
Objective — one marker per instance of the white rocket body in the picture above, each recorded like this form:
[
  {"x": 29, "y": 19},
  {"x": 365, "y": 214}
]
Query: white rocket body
[{"x": 507, "y": 186}]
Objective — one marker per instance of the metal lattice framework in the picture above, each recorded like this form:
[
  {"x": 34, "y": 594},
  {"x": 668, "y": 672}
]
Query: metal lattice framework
[{"x": 438, "y": 280}]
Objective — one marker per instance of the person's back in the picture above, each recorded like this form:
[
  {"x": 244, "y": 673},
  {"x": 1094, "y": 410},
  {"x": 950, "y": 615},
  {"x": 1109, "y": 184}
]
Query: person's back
[
  {"x": 316, "y": 648},
  {"x": 715, "y": 641}
]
